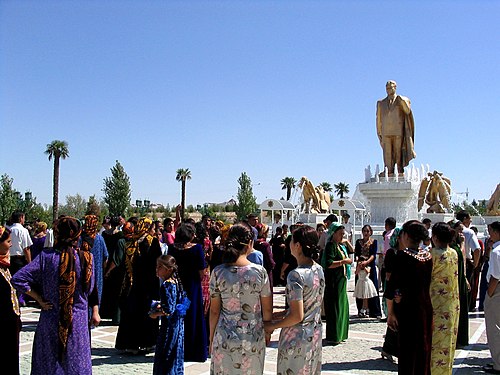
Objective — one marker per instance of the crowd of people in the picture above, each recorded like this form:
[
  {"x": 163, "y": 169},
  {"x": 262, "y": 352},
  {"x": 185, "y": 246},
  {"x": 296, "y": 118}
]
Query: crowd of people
[{"x": 190, "y": 290}]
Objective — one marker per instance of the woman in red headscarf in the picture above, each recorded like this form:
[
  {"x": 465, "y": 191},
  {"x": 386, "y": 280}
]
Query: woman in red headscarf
[{"x": 9, "y": 309}]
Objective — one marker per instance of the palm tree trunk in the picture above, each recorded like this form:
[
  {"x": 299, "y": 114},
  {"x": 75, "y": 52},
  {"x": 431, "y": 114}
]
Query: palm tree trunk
[
  {"x": 183, "y": 198},
  {"x": 288, "y": 193},
  {"x": 55, "y": 193}
]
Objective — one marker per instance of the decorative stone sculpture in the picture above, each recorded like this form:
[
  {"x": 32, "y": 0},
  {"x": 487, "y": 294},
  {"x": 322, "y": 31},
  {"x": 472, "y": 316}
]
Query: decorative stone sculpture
[
  {"x": 435, "y": 190},
  {"x": 492, "y": 205},
  {"x": 395, "y": 129}
]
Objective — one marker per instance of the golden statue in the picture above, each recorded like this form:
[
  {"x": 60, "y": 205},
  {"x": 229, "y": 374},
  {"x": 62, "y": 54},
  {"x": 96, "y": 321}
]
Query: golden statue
[
  {"x": 323, "y": 198},
  {"x": 492, "y": 205},
  {"x": 395, "y": 129},
  {"x": 435, "y": 190},
  {"x": 311, "y": 200}
]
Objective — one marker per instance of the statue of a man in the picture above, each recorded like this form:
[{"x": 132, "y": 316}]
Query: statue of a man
[{"x": 395, "y": 129}]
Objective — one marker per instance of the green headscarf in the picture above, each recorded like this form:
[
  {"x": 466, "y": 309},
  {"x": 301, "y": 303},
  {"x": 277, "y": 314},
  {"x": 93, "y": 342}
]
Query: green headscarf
[
  {"x": 335, "y": 226},
  {"x": 394, "y": 238}
]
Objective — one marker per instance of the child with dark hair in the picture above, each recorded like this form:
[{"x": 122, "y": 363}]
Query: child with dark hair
[
  {"x": 299, "y": 349},
  {"x": 169, "y": 353}
]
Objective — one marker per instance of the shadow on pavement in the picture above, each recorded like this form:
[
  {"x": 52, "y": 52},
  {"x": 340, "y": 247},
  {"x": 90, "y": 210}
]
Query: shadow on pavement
[
  {"x": 108, "y": 356},
  {"x": 369, "y": 364}
]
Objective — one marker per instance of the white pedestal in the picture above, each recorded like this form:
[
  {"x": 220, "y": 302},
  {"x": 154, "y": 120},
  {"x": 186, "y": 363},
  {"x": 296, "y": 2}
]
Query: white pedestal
[
  {"x": 436, "y": 218},
  {"x": 390, "y": 198},
  {"x": 312, "y": 219}
]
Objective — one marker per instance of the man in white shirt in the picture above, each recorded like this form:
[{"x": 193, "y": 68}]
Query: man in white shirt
[
  {"x": 20, "y": 254},
  {"x": 472, "y": 253},
  {"x": 277, "y": 223},
  {"x": 347, "y": 226},
  {"x": 492, "y": 301}
]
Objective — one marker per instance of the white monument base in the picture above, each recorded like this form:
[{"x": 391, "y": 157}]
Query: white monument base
[
  {"x": 436, "y": 218},
  {"x": 390, "y": 198},
  {"x": 312, "y": 219}
]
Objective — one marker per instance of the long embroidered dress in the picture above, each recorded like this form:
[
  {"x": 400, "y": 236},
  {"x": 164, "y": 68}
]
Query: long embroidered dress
[
  {"x": 299, "y": 348},
  {"x": 239, "y": 344},
  {"x": 169, "y": 354},
  {"x": 446, "y": 309},
  {"x": 190, "y": 262},
  {"x": 137, "y": 330},
  {"x": 463, "y": 320},
  {"x": 42, "y": 274},
  {"x": 336, "y": 301},
  {"x": 411, "y": 277},
  {"x": 10, "y": 322}
]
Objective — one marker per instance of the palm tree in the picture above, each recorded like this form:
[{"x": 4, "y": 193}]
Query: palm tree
[
  {"x": 341, "y": 188},
  {"x": 182, "y": 176},
  {"x": 288, "y": 183},
  {"x": 57, "y": 150},
  {"x": 326, "y": 186}
]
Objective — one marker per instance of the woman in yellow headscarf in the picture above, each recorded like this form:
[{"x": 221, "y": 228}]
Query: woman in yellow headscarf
[{"x": 137, "y": 332}]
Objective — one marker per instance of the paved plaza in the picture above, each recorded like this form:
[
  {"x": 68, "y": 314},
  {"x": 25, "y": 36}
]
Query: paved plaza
[{"x": 360, "y": 354}]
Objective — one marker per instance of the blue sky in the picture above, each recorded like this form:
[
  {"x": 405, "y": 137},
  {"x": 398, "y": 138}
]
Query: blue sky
[{"x": 272, "y": 88}]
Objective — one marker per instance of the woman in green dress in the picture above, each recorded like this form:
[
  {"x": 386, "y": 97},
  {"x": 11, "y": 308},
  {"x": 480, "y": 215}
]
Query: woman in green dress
[{"x": 337, "y": 265}]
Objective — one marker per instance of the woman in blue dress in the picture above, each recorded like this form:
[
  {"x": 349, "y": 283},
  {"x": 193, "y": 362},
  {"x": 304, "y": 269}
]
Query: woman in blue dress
[{"x": 169, "y": 354}]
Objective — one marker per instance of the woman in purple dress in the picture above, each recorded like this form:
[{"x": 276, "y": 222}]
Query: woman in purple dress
[{"x": 60, "y": 280}]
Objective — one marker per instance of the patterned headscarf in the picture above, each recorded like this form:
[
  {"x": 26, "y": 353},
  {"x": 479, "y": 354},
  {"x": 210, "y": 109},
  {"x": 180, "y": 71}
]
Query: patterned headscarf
[
  {"x": 89, "y": 232},
  {"x": 140, "y": 233},
  {"x": 66, "y": 232}
]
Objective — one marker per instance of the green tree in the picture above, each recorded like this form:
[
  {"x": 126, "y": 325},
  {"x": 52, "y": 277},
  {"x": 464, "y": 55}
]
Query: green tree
[
  {"x": 8, "y": 198},
  {"x": 93, "y": 207},
  {"x": 183, "y": 175},
  {"x": 327, "y": 187},
  {"x": 117, "y": 191},
  {"x": 341, "y": 188},
  {"x": 288, "y": 183},
  {"x": 247, "y": 202},
  {"x": 56, "y": 150},
  {"x": 75, "y": 206}
]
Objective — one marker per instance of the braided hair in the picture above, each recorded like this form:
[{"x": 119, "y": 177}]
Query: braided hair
[
  {"x": 169, "y": 262},
  {"x": 238, "y": 238}
]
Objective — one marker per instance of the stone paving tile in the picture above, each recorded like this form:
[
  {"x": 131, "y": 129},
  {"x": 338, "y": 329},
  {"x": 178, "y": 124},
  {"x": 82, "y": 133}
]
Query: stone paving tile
[{"x": 360, "y": 354}]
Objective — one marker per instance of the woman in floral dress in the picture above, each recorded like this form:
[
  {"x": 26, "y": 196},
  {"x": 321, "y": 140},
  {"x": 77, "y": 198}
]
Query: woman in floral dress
[
  {"x": 445, "y": 300},
  {"x": 241, "y": 301},
  {"x": 299, "y": 349}
]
